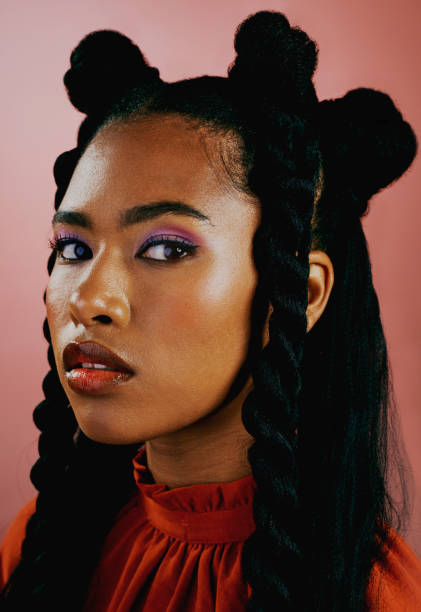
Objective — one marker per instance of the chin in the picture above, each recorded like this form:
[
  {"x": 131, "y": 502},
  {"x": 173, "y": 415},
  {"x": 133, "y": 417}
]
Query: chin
[{"x": 103, "y": 435}]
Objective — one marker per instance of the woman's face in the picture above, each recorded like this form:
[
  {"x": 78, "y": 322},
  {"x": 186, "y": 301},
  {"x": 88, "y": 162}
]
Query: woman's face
[{"x": 177, "y": 314}]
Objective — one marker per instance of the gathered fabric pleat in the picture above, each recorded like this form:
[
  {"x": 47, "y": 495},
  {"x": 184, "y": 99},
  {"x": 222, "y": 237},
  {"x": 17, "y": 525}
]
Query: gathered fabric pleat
[{"x": 177, "y": 550}]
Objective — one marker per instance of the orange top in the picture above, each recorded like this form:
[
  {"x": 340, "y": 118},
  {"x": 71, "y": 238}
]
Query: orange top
[{"x": 179, "y": 550}]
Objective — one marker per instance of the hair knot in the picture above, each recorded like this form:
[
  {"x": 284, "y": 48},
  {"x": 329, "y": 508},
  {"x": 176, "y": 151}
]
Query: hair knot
[
  {"x": 274, "y": 60},
  {"x": 365, "y": 142},
  {"x": 104, "y": 65}
]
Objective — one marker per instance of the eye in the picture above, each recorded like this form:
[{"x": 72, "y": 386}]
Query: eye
[
  {"x": 69, "y": 248},
  {"x": 167, "y": 248},
  {"x": 160, "y": 248}
]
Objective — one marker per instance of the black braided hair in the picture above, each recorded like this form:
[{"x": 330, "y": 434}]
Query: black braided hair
[
  {"x": 321, "y": 411},
  {"x": 283, "y": 176}
]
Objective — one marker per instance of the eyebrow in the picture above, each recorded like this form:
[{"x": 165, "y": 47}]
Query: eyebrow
[{"x": 136, "y": 214}]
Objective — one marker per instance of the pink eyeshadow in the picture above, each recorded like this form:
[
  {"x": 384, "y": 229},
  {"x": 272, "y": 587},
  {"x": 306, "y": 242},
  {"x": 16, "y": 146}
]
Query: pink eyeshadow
[{"x": 173, "y": 231}]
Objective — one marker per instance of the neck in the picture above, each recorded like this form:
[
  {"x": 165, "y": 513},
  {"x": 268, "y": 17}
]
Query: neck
[{"x": 211, "y": 450}]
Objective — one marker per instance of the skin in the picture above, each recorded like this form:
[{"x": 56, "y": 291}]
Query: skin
[{"x": 182, "y": 325}]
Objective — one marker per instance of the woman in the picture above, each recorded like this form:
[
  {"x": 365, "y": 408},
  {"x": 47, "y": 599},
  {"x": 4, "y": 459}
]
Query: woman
[{"x": 215, "y": 429}]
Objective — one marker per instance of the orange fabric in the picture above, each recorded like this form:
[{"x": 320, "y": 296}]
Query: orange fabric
[
  {"x": 396, "y": 581},
  {"x": 12, "y": 541},
  {"x": 179, "y": 550}
]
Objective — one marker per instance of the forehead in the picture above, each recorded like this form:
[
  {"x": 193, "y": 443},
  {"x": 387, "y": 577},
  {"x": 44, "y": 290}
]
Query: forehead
[{"x": 154, "y": 158}]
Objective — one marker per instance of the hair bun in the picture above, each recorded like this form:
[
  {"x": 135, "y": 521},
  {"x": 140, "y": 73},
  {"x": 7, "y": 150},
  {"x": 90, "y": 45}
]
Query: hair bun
[
  {"x": 103, "y": 65},
  {"x": 274, "y": 57},
  {"x": 365, "y": 142}
]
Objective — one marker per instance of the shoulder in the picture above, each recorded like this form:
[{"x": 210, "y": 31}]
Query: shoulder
[
  {"x": 395, "y": 582},
  {"x": 12, "y": 541}
]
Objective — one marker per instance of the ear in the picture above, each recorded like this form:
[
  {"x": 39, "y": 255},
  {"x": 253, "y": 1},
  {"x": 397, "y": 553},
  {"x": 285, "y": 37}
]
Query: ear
[{"x": 320, "y": 283}]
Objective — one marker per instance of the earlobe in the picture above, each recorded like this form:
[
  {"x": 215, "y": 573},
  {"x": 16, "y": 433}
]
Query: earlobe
[{"x": 266, "y": 327}]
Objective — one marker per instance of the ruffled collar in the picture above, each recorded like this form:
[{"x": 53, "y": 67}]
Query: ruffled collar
[{"x": 202, "y": 513}]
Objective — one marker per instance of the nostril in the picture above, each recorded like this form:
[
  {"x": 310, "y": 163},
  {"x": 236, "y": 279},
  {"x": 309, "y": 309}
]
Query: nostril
[{"x": 103, "y": 318}]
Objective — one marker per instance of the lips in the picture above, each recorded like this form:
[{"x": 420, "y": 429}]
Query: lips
[{"x": 77, "y": 353}]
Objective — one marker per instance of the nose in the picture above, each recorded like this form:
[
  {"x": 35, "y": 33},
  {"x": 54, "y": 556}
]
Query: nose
[{"x": 102, "y": 293}]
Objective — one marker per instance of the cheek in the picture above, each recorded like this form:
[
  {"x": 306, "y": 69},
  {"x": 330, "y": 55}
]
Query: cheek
[
  {"x": 204, "y": 324},
  {"x": 56, "y": 311},
  {"x": 56, "y": 301}
]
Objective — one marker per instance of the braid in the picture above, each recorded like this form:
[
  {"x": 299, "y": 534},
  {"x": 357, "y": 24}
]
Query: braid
[
  {"x": 56, "y": 421},
  {"x": 320, "y": 410},
  {"x": 283, "y": 178}
]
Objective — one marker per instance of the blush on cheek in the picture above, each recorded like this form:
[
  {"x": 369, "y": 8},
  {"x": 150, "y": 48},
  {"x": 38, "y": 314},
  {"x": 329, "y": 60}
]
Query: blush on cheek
[
  {"x": 212, "y": 316},
  {"x": 185, "y": 316}
]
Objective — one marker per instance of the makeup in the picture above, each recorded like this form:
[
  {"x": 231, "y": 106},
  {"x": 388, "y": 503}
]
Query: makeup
[
  {"x": 95, "y": 381},
  {"x": 94, "y": 369},
  {"x": 181, "y": 233}
]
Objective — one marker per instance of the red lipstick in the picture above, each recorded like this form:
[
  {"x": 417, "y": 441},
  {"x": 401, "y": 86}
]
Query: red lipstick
[{"x": 93, "y": 369}]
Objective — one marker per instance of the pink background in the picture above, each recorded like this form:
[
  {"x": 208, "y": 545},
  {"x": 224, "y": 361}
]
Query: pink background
[{"x": 372, "y": 44}]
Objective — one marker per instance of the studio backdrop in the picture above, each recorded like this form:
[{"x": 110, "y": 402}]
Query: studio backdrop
[{"x": 362, "y": 44}]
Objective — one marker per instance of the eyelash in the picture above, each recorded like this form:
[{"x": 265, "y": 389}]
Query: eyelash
[{"x": 58, "y": 243}]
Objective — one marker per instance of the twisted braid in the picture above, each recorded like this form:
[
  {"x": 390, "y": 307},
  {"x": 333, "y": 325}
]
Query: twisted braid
[
  {"x": 286, "y": 165},
  {"x": 56, "y": 421}
]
